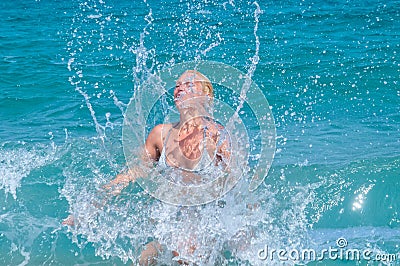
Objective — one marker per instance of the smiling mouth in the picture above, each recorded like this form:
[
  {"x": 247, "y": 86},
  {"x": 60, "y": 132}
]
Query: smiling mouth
[{"x": 180, "y": 94}]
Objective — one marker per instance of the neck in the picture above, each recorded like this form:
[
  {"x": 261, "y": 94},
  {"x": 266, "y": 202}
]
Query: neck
[{"x": 192, "y": 117}]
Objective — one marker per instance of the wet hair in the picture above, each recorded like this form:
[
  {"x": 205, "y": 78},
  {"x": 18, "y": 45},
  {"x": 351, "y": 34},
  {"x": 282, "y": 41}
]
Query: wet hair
[{"x": 205, "y": 82}]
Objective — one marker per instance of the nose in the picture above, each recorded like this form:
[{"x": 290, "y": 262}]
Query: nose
[{"x": 186, "y": 87}]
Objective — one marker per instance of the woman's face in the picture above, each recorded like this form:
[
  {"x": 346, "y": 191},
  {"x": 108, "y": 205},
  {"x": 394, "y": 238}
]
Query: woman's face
[{"x": 188, "y": 87}]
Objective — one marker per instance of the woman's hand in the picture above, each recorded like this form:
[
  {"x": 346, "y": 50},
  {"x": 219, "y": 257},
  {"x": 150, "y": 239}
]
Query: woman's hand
[
  {"x": 121, "y": 181},
  {"x": 113, "y": 188}
]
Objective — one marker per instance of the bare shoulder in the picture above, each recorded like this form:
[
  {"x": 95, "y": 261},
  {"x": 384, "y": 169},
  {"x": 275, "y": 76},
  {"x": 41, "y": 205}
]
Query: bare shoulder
[
  {"x": 154, "y": 142},
  {"x": 156, "y": 131},
  {"x": 216, "y": 129},
  {"x": 159, "y": 131},
  {"x": 156, "y": 136}
]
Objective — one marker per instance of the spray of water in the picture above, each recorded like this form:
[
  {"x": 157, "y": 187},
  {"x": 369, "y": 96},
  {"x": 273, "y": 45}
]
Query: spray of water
[{"x": 227, "y": 230}]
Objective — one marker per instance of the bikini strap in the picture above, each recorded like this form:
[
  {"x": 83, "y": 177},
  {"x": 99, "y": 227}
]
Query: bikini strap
[
  {"x": 162, "y": 159},
  {"x": 167, "y": 136}
]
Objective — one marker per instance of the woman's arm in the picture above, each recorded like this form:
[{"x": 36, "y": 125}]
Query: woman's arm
[
  {"x": 150, "y": 154},
  {"x": 121, "y": 181}
]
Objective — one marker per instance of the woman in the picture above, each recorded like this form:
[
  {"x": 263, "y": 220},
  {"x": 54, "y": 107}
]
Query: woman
[
  {"x": 193, "y": 143},
  {"x": 193, "y": 146}
]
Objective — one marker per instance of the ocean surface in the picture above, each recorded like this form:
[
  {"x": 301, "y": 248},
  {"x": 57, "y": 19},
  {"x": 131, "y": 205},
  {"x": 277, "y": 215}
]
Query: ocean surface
[{"x": 330, "y": 71}]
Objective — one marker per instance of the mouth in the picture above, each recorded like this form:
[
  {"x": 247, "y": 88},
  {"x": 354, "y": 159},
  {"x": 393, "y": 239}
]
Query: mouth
[{"x": 179, "y": 95}]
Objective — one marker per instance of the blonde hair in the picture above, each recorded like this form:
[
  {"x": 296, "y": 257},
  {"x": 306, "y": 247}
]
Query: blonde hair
[{"x": 205, "y": 82}]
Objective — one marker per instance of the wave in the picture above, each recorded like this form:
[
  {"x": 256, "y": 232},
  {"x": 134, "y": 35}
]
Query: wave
[{"x": 17, "y": 160}]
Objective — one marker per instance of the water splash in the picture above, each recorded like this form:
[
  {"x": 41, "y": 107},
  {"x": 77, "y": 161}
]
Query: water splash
[
  {"x": 17, "y": 162},
  {"x": 233, "y": 224}
]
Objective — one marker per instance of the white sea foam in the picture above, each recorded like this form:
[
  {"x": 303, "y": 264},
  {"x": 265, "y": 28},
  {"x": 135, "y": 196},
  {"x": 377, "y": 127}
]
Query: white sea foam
[
  {"x": 24, "y": 231},
  {"x": 17, "y": 161}
]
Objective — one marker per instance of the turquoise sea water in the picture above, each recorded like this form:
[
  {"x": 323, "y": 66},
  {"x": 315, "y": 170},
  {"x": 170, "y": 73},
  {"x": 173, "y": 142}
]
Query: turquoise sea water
[{"x": 329, "y": 69}]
